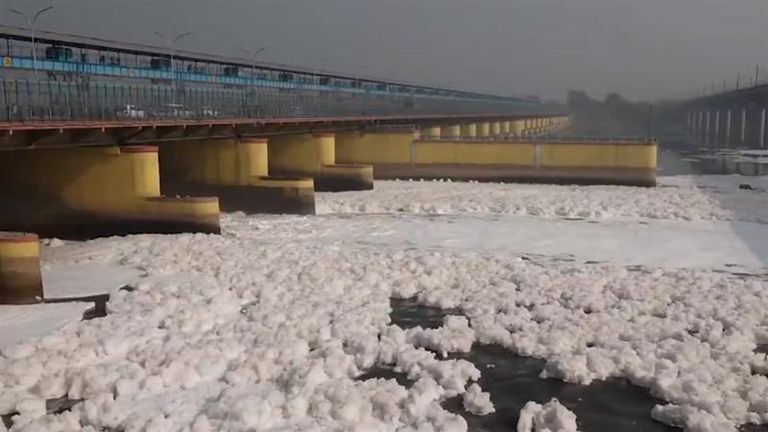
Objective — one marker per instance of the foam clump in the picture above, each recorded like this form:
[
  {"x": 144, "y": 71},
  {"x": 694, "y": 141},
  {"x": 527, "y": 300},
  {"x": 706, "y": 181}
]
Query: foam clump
[{"x": 550, "y": 417}]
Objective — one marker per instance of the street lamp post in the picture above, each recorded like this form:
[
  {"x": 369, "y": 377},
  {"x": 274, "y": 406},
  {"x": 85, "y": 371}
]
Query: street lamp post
[
  {"x": 252, "y": 56},
  {"x": 31, "y": 25},
  {"x": 171, "y": 43}
]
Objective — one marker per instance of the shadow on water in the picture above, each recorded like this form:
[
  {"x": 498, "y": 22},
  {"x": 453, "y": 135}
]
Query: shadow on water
[{"x": 513, "y": 380}]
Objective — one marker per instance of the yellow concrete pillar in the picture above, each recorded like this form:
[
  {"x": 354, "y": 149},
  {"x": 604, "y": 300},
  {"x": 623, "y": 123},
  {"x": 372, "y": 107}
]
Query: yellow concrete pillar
[
  {"x": 483, "y": 129},
  {"x": 315, "y": 155},
  {"x": 450, "y": 131},
  {"x": 430, "y": 132},
  {"x": 235, "y": 170},
  {"x": 526, "y": 130},
  {"x": 495, "y": 129},
  {"x": 516, "y": 128},
  {"x": 95, "y": 191},
  {"x": 506, "y": 127},
  {"x": 20, "y": 280},
  {"x": 468, "y": 130}
]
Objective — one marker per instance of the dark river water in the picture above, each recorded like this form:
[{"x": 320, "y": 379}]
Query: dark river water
[{"x": 512, "y": 380}]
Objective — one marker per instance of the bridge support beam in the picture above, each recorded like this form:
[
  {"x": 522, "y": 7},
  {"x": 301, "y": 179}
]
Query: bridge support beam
[
  {"x": 20, "y": 280},
  {"x": 91, "y": 192},
  {"x": 314, "y": 155},
  {"x": 235, "y": 170}
]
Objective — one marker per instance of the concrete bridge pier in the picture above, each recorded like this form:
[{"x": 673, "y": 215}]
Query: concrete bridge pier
[
  {"x": 516, "y": 128},
  {"x": 468, "y": 130},
  {"x": 506, "y": 127},
  {"x": 20, "y": 279},
  {"x": 743, "y": 126},
  {"x": 87, "y": 192},
  {"x": 762, "y": 142},
  {"x": 235, "y": 170},
  {"x": 707, "y": 129},
  {"x": 483, "y": 129},
  {"x": 716, "y": 133},
  {"x": 495, "y": 129},
  {"x": 314, "y": 155},
  {"x": 450, "y": 131},
  {"x": 431, "y": 132}
]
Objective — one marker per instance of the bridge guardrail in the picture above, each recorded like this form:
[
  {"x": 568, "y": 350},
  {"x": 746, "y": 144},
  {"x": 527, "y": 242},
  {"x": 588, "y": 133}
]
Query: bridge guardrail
[{"x": 24, "y": 100}]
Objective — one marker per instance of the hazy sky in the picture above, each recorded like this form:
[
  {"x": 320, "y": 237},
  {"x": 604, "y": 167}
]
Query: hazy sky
[{"x": 643, "y": 49}]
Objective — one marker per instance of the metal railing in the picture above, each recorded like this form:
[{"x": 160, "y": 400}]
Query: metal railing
[{"x": 26, "y": 100}]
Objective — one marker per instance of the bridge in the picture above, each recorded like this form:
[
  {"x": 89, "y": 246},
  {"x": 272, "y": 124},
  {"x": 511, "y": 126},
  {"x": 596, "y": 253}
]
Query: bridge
[
  {"x": 95, "y": 79},
  {"x": 731, "y": 119},
  {"x": 103, "y": 138}
]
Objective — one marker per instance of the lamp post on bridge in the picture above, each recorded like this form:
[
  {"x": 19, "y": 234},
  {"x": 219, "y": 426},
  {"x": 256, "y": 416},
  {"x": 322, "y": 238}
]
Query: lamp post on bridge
[
  {"x": 31, "y": 26},
  {"x": 171, "y": 43},
  {"x": 252, "y": 57}
]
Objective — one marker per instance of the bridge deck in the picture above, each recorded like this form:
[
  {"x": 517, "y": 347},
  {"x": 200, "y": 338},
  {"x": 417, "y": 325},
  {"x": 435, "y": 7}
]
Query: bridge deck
[{"x": 155, "y": 123}]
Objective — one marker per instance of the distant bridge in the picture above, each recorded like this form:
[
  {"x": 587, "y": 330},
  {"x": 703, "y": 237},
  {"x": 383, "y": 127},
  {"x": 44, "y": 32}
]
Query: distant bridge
[{"x": 732, "y": 119}]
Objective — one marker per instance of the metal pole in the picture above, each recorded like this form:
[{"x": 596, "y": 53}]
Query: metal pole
[
  {"x": 172, "y": 47},
  {"x": 173, "y": 81},
  {"x": 31, "y": 24}
]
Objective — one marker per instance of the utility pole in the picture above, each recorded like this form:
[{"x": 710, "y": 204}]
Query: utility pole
[
  {"x": 171, "y": 43},
  {"x": 31, "y": 26}
]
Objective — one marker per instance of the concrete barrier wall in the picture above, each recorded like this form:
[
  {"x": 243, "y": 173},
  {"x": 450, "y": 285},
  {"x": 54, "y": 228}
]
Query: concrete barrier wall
[
  {"x": 470, "y": 152},
  {"x": 580, "y": 162},
  {"x": 597, "y": 155},
  {"x": 94, "y": 191},
  {"x": 380, "y": 147}
]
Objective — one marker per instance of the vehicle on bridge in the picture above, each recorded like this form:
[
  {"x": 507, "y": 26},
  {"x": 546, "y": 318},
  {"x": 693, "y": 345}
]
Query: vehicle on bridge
[{"x": 131, "y": 111}]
